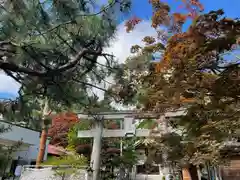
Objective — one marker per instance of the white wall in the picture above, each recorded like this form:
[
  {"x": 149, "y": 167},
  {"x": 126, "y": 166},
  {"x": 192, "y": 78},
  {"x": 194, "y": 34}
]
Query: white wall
[
  {"x": 30, "y": 154},
  {"x": 30, "y": 141},
  {"x": 148, "y": 177},
  {"x": 17, "y": 133}
]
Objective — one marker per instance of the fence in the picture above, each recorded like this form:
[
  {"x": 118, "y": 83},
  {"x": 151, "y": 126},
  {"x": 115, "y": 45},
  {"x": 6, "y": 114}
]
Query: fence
[
  {"x": 53, "y": 173},
  {"x": 62, "y": 173}
]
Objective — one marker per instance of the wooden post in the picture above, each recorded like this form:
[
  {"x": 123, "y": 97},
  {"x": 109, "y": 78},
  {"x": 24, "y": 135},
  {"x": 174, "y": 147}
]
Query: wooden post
[
  {"x": 96, "y": 150},
  {"x": 190, "y": 173},
  {"x": 44, "y": 133},
  {"x": 185, "y": 173}
]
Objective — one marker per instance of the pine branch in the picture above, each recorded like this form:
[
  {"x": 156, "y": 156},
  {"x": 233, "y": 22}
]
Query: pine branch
[
  {"x": 78, "y": 57},
  {"x": 50, "y": 72},
  {"x": 90, "y": 85},
  {"x": 82, "y": 15},
  {"x": 17, "y": 68}
]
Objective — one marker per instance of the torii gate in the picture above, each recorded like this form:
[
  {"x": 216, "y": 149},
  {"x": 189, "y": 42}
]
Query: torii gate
[{"x": 129, "y": 130}]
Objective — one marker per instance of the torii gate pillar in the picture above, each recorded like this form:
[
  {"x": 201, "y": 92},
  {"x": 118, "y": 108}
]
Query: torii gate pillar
[{"x": 96, "y": 149}]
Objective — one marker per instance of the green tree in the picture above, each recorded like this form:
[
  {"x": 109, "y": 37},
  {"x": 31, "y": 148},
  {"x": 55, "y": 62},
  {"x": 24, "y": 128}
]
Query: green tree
[
  {"x": 67, "y": 165},
  {"x": 7, "y": 152},
  {"x": 52, "y": 48},
  {"x": 3, "y": 158},
  {"x": 114, "y": 158}
]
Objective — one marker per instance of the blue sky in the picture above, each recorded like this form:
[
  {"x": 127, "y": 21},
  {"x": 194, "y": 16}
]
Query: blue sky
[
  {"x": 7, "y": 95},
  {"x": 142, "y": 9}
]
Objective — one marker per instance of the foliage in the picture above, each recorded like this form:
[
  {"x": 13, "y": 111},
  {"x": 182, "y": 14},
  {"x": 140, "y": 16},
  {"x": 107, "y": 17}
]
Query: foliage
[
  {"x": 67, "y": 164},
  {"x": 27, "y": 114},
  {"x": 71, "y": 159},
  {"x": 80, "y": 145},
  {"x": 201, "y": 76},
  {"x": 7, "y": 151},
  {"x": 112, "y": 159},
  {"x": 195, "y": 71},
  {"x": 129, "y": 156},
  {"x": 3, "y": 159},
  {"x": 164, "y": 16},
  {"x": 51, "y": 48},
  {"x": 61, "y": 123}
]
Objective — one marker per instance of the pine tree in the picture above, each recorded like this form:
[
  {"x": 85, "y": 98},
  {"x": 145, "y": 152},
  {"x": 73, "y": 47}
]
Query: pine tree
[{"x": 52, "y": 48}]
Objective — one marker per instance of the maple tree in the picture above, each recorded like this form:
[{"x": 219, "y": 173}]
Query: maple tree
[
  {"x": 195, "y": 71},
  {"x": 61, "y": 123},
  {"x": 202, "y": 77},
  {"x": 162, "y": 15}
]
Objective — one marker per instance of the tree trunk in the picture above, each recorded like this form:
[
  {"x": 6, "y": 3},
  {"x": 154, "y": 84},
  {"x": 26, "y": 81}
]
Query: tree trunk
[
  {"x": 63, "y": 176},
  {"x": 193, "y": 172},
  {"x": 190, "y": 173},
  {"x": 43, "y": 139},
  {"x": 42, "y": 146}
]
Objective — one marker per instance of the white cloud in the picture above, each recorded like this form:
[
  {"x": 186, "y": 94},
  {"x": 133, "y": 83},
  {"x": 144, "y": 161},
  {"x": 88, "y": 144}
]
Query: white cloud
[
  {"x": 8, "y": 85},
  {"x": 121, "y": 45}
]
